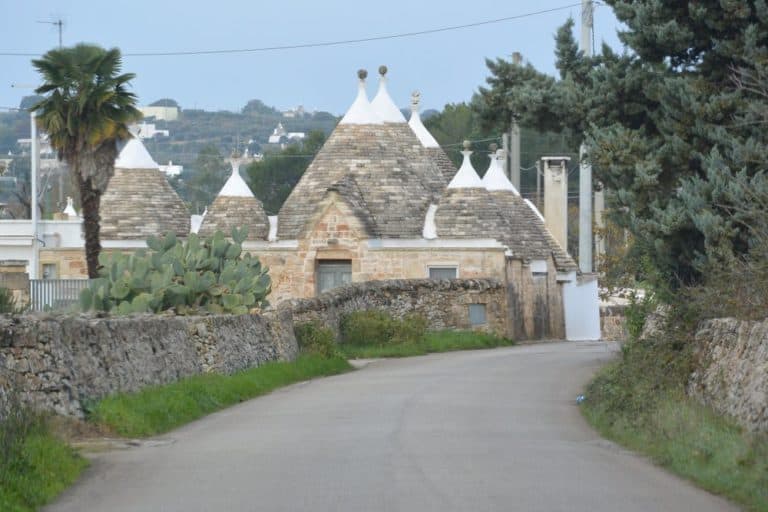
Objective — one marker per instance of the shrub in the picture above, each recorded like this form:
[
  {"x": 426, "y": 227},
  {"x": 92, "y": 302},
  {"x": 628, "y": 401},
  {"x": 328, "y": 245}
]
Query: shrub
[
  {"x": 410, "y": 329},
  {"x": 7, "y": 301},
  {"x": 374, "y": 327},
  {"x": 314, "y": 338},
  {"x": 210, "y": 275},
  {"x": 35, "y": 466},
  {"x": 16, "y": 424},
  {"x": 636, "y": 313},
  {"x": 369, "y": 327}
]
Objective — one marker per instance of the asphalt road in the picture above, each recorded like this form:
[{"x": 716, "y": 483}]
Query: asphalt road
[{"x": 494, "y": 430}]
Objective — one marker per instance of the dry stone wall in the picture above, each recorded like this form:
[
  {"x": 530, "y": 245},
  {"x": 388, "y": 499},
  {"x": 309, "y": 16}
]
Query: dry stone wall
[
  {"x": 732, "y": 370},
  {"x": 444, "y": 303},
  {"x": 59, "y": 363}
]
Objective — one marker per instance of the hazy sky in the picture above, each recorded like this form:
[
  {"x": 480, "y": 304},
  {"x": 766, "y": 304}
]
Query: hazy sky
[{"x": 445, "y": 67}]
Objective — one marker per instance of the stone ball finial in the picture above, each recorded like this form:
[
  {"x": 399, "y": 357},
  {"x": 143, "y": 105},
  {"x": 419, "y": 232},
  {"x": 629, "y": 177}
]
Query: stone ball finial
[
  {"x": 362, "y": 74},
  {"x": 493, "y": 147},
  {"x": 382, "y": 70},
  {"x": 467, "y": 145}
]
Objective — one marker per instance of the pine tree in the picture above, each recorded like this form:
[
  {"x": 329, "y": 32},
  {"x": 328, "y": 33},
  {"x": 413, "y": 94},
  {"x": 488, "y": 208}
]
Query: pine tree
[{"x": 668, "y": 123}]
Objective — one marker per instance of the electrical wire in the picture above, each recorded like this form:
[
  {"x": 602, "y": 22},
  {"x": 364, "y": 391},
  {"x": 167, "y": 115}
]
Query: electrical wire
[{"x": 342, "y": 42}]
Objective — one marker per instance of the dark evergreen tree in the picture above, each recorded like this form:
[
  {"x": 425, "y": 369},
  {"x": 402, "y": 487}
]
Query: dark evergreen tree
[{"x": 668, "y": 123}]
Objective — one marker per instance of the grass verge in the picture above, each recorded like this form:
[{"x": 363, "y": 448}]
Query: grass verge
[
  {"x": 432, "y": 341},
  {"x": 158, "y": 409},
  {"x": 35, "y": 466},
  {"x": 639, "y": 401}
]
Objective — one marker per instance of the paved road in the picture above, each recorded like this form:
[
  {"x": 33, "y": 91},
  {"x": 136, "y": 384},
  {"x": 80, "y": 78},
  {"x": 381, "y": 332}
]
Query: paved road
[{"x": 492, "y": 430}]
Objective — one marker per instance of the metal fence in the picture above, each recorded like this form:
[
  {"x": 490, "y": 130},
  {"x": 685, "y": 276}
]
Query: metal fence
[{"x": 55, "y": 294}]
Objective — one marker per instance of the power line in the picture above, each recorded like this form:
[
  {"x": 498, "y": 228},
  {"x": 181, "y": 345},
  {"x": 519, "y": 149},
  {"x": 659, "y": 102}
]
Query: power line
[{"x": 326, "y": 43}]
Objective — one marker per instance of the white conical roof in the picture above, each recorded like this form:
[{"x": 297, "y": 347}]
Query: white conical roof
[
  {"x": 135, "y": 156},
  {"x": 236, "y": 185},
  {"x": 70, "y": 209},
  {"x": 426, "y": 138},
  {"x": 361, "y": 111},
  {"x": 382, "y": 104},
  {"x": 467, "y": 176},
  {"x": 494, "y": 178}
]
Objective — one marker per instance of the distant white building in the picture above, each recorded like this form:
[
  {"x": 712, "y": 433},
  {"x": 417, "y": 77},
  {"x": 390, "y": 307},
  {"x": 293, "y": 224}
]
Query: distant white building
[
  {"x": 280, "y": 136},
  {"x": 146, "y": 130},
  {"x": 171, "y": 170},
  {"x": 294, "y": 113}
]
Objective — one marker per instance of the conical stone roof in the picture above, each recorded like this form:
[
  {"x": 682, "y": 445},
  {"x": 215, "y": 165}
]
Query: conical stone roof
[
  {"x": 467, "y": 210},
  {"x": 236, "y": 206},
  {"x": 428, "y": 141},
  {"x": 381, "y": 169},
  {"x": 139, "y": 202},
  {"x": 527, "y": 237}
]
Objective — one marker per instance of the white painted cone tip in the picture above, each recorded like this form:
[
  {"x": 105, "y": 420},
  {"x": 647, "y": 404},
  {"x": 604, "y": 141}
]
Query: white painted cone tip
[
  {"x": 361, "y": 111},
  {"x": 467, "y": 176},
  {"x": 383, "y": 105},
  {"x": 134, "y": 155},
  {"x": 426, "y": 138},
  {"x": 495, "y": 179},
  {"x": 236, "y": 186}
]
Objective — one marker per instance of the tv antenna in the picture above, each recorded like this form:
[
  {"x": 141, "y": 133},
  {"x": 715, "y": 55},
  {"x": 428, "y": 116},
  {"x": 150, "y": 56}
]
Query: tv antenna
[{"x": 57, "y": 23}]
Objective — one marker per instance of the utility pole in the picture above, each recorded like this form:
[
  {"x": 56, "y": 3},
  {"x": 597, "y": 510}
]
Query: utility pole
[
  {"x": 57, "y": 23},
  {"x": 34, "y": 164},
  {"x": 514, "y": 138},
  {"x": 585, "y": 170},
  {"x": 505, "y": 146}
]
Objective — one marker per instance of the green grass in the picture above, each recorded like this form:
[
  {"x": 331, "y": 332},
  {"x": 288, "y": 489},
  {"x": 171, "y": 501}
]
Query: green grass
[
  {"x": 36, "y": 467},
  {"x": 645, "y": 408},
  {"x": 158, "y": 409},
  {"x": 433, "y": 341}
]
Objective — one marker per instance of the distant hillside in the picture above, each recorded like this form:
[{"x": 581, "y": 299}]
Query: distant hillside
[{"x": 197, "y": 129}]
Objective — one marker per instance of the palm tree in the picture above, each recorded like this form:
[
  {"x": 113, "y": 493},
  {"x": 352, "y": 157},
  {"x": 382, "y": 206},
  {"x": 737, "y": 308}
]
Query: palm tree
[{"x": 86, "y": 111}]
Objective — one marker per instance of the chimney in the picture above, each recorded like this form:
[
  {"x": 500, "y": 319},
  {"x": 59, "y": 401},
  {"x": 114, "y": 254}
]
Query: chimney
[{"x": 556, "y": 197}]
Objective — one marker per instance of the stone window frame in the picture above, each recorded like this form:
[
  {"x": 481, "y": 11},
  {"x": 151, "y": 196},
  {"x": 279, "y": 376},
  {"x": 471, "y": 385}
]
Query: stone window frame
[{"x": 449, "y": 265}]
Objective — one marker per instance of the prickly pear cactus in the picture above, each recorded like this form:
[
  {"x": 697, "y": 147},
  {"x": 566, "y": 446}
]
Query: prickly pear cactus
[{"x": 197, "y": 276}]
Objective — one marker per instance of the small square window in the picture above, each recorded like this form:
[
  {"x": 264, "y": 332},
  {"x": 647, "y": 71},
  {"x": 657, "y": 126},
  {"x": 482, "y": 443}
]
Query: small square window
[
  {"x": 443, "y": 272},
  {"x": 477, "y": 314},
  {"x": 50, "y": 271}
]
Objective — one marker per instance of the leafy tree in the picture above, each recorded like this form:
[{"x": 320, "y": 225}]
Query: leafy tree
[
  {"x": 258, "y": 107},
  {"x": 165, "y": 102},
  {"x": 454, "y": 124},
  {"x": 86, "y": 111},
  {"x": 274, "y": 177},
  {"x": 666, "y": 122},
  {"x": 199, "y": 183}
]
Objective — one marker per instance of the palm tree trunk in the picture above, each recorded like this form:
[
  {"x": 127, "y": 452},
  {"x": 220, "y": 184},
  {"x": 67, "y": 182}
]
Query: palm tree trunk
[{"x": 90, "y": 199}]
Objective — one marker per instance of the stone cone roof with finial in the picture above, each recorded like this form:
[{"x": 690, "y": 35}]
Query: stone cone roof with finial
[
  {"x": 466, "y": 209},
  {"x": 428, "y": 141},
  {"x": 139, "y": 202},
  {"x": 380, "y": 168},
  {"x": 236, "y": 206},
  {"x": 528, "y": 237}
]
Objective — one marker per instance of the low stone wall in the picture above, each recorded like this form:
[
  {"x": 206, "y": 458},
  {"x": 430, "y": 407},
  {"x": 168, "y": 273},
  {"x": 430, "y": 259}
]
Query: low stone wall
[
  {"x": 444, "y": 303},
  {"x": 732, "y": 370},
  {"x": 59, "y": 363}
]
